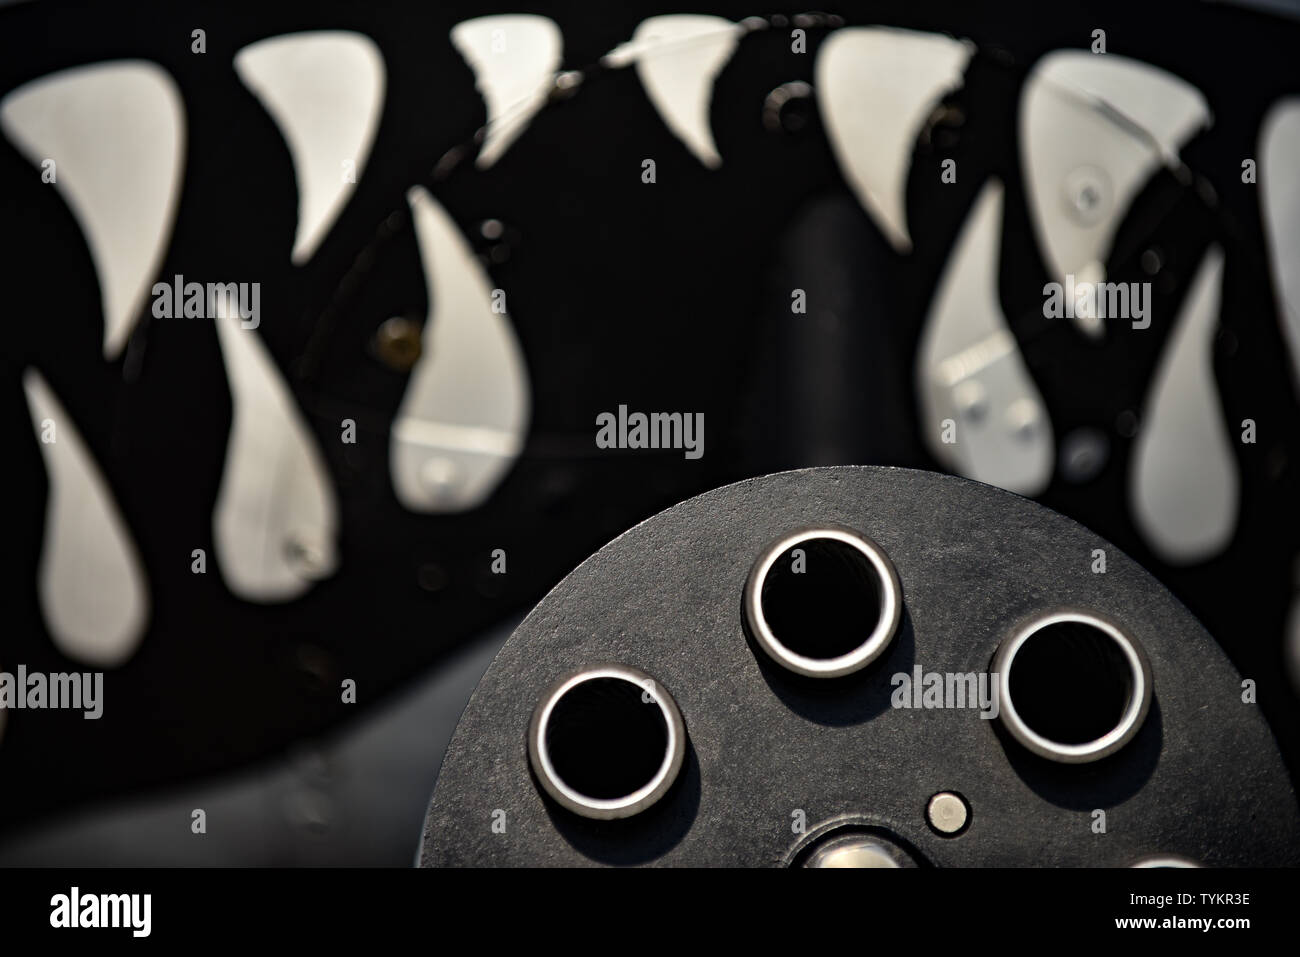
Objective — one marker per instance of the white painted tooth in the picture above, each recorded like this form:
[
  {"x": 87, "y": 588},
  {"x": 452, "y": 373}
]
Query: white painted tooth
[
  {"x": 1279, "y": 186},
  {"x": 1183, "y": 485},
  {"x": 463, "y": 419},
  {"x": 514, "y": 58},
  {"x": 970, "y": 369},
  {"x": 876, "y": 87},
  {"x": 115, "y": 132},
  {"x": 678, "y": 57},
  {"x": 1093, "y": 130},
  {"x": 91, "y": 583},
  {"x": 276, "y": 517},
  {"x": 1280, "y": 197},
  {"x": 325, "y": 91}
]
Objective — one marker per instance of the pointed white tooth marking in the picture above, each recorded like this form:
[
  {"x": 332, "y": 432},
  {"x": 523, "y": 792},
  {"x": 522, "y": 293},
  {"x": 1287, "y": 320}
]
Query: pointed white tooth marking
[
  {"x": 1183, "y": 485},
  {"x": 1279, "y": 184},
  {"x": 514, "y": 58},
  {"x": 678, "y": 57},
  {"x": 91, "y": 583},
  {"x": 325, "y": 91},
  {"x": 1093, "y": 130},
  {"x": 462, "y": 421},
  {"x": 116, "y": 134},
  {"x": 275, "y": 520},
  {"x": 970, "y": 368},
  {"x": 876, "y": 87}
]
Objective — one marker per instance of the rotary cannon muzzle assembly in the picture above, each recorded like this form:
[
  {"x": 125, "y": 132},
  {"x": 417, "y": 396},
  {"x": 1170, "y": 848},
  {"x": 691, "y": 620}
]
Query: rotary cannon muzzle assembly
[{"x": 868, "y": 668}]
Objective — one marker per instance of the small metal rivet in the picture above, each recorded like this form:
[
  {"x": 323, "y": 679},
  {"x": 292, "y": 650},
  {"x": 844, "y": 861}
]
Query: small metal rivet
[
  {"x": 566, "y": 84},
  {"x": 1126, "y": 423},
  {"x": 439, "y": 475},
  {"x": 1087, "y": 195},
  {"x": 308, "y": 555},
  {"x": 947, "y": 812},
  {"x": 398, "y": 343},
  {"x": 1022, "y": 419},
  {"x": 1083, "y": 454},
  {"x": 971, "y": 400}
]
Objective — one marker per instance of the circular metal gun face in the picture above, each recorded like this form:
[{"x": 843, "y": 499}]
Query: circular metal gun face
[{"x": 1003, "y": 625}]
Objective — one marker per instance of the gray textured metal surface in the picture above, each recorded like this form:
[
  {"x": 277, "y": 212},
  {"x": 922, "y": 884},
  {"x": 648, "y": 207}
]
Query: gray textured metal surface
[{"x": 1202, "y": 779}]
